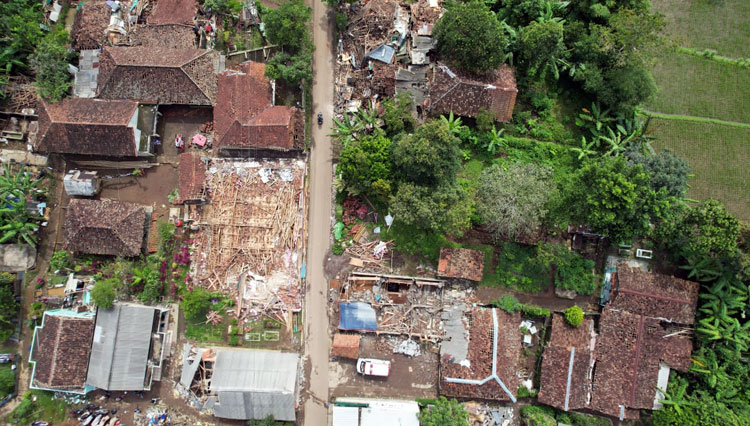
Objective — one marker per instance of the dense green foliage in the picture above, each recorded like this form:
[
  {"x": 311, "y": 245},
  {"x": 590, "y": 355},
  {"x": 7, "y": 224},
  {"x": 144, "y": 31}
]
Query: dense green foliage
[
  {"x": 8, "y": 311},
  {"x": 534, "y": 415},
  {"x": 365, "y": 166},
  {"x": 39, "y": 405},
  {"x": 512, "y": 199},
  {"x": 574, "y": 315},
  {"x": 445, "y": 412},
  {"x": 666, "y": 169},
  {"x": 223, "y": 6},
  {"x": 429, "y": 156},
  {"x": 288, "y": 27},
  {"x": 471, "y": 37},
  {"x": 573, "y": 272},
  {"x": 614, "y": 198},
  {"x": 511, "y": 305},
  {"x": 60, "y": 260},
  {"x": 19, "y": 35},
  {"x": 17, "y": 222},
  {"x": 103, "y": 294},
  {"x": 7, "y": 380},
  {"x": 196, "y": 303},
  {"x": 50, "y": 63},
  {"x": 397, "y": 116}
]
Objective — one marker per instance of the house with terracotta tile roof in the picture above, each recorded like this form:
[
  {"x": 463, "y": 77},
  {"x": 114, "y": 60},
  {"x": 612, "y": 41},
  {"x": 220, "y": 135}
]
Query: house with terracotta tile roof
[
  {"x": 60, "y": 351},
  {"x": 178, "y": 12},
  {"x": 85, "y": 126},
  {"x": 467, "y": 94},
  {"x": 104, "y": 227},
  {"x": 192, "y": 177},
  {"x": 246, "y": 119},
  {"x": 160, "y": 75}
]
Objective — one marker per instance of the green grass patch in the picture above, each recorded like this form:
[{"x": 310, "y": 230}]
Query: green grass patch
[
  {"x": 202, "y": 332},
  {"x": 44, "y": 408},
  {"x": 417, "y": 242},
  {"x": 517, "y": 268},
  {"x": 700, "y": 87},
  {"x": 718, "y": 156},
  {"x": 705, "y": 24}
]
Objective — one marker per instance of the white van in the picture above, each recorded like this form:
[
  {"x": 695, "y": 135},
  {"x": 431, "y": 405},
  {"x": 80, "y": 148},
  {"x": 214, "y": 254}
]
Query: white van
[{"x": 373, "y": 367}]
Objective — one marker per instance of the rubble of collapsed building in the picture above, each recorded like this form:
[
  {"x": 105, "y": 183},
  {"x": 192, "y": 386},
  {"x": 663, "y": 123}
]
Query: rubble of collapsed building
[
  {"x": 388, "y": 48},
  {"x": 248, "y": 240}
]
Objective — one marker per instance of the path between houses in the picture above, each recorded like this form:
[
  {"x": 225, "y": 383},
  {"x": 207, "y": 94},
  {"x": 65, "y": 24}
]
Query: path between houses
[{"x": 316, "y": 318}]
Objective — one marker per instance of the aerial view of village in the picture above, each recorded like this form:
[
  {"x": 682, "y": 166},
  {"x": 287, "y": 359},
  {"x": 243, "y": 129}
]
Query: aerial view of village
[{"x": 375, "y": 212}]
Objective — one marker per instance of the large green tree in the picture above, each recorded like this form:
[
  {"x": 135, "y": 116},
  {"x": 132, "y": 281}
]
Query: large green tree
[
  {"x": 429, "y": 156},
  {"x": 444, "y": 208},
  {"x": 397, "y": 115},
  {"x": 707, "y": 230},
  {"x": 365, "y": 166},
  {"x": 512, "y": 199},
  {"x": 542, "y": 49},
  {"x": 469, "y": 35},
  {"x": 614, "y": 198},
  {"x": 445, "y": 412},
  {"x": 51, "y": 66},
  {"x": 667, "y": 170},
  {"x": 287, "y": 26},
  {"x": 103, "y": 294}
]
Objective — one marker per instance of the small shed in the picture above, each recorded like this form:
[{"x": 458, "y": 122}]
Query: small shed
[
  {"x": 81, "y": 183},
  {"x": 346, "y": 345}
]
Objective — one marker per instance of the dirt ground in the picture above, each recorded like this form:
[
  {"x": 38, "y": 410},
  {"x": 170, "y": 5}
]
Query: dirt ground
[
  {"x": 176, "y": 120},
  {"x": 547, "y": 299},
  {"x": 411, "y": 377}
]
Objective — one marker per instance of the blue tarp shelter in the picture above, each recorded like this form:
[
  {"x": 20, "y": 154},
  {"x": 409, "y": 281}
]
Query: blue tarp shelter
[{"x": 357, "y": 316}]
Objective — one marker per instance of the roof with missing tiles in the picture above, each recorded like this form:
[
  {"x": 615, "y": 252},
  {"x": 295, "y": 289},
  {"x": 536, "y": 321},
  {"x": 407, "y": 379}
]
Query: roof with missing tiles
[
  {"x": 461, "y": 263},
  {"x": 173, "y": 12},
  {"x": 192, "y": 176}
]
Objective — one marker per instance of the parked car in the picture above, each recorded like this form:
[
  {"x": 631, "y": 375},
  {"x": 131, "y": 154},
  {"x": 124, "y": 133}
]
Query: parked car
[
  {"x": 6, "y": 358},
  {"x": 373, "y": 367}
]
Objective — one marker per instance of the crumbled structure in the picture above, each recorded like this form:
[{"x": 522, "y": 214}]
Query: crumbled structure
[
  {"x": 406, "y": 306},
  {"x": 461, "y": 263},
  {"x": 157, "y": 74},
  {"x": 250, "y": 240},
  {"x": 90, "y": 25},
  {"x": 60, "y": 351},
  {"x": 489, "y": 370},
  {"x": 246, "y": 119},
  {"x": 116, "y": 128},
  {"x": 172, "y": 36},
  {"x": 128, "y": 347},
  {"x": 192, "y": 175},
  {"x": 567, "y": 365},
  {"x": 104, "y": 227},
  {"x": 466, "y": 95}
]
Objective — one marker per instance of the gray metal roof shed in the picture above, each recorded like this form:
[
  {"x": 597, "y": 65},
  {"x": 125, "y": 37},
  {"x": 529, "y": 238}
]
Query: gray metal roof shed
[
  {"x": 120, "y": 350},
  {"x": 251, "y": 384}
]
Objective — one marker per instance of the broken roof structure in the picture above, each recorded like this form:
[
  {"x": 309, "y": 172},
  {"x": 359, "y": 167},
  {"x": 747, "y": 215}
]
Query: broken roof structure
[
  {"x": 566, "y": 365},
  {"x": 158, "y": 74},
  {"x": 489, "y": 372},
  {"x": 122, "y": 348},
  {"x": 357, "y": 316},
  {"x": 90, "y": 24},
  {"x": 104, "y": 227},
  {"x": 634, "y": 354},
  {"x": 245, "y": 117},
  {"x": 180, "y": 12},
  {"x": 192, "y": 175},
  {"x": 60, "y": 351},
  {"x": 253, "y": 384},
  {"x": 461, "y": 263},
  {"x": 467, "y": 94},
  {"x": 655, "y": 295},
  {"x": 113, "y": 128}
]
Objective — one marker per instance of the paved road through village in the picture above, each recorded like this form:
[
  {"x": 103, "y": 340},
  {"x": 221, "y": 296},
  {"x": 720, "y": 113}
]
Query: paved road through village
[{"x": 316, "y": 319}]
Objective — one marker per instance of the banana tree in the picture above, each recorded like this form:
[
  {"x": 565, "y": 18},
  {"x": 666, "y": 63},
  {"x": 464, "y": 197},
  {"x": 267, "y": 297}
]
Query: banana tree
[
  {"x": 453, "y": 123},
  {"x": 346, "y": 130},
  {"x": 676, "y": 395},
  {"x": 585, "y": 150},
  {"x": 17, "y": 184},
  {"x": 495, "y": 140}
]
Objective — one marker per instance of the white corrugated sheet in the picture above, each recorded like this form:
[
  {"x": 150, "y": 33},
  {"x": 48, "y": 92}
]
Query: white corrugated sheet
[{"x": 345, "y": 416}]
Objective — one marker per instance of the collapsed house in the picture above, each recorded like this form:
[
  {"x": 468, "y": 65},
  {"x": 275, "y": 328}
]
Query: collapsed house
[
  {"x": 392, "y": 305},
  {"x": 112, "y": 128},
  {"x": 159, "y": 75},
  {"x": 105, "y": 227},
  {"x": 483, "y": 364},
  {"x": 128, "y": 347},
  {"x": 246, "y": 119},
  {"x": 60, "y": 351},
  {"x": 461, "y": 264},
  {"x": 242, "y": 384},
  {"x": 643, "y": 333},
  {"x": 250, "y": 240},
  {"x": 90, "y": 25}
]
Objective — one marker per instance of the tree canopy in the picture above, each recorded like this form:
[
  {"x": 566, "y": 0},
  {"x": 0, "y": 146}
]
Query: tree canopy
[
  {"x": 103, "y": 293},
  {"x": 442, "y": 208},
  {"x": 542, "y": 48},
  {"x": 707, "y": 230},
  {"x": 365, "y": 166},
  {"x": 667, "y": 170},
  {"x": 512, "y": 199},
  {"x": 430, "y": 156},
  {"x": 287, "y": 25},
  {"x": 469, "y": 35},
  {"x": 51, "y": 66},
  {"x": 574, "y": 315},
  {"x": 445, "y": 412}
]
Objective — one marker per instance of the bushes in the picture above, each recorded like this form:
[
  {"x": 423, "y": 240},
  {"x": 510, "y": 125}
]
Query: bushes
[
  {"x": 103, "y": 293},
  {"x": 574, "y": 316},
  {"x": 535, "y": 415},
  {"x": 511, "y": 305},
  {"x": 60, "y": 260},
  {"x": 573, "y": 271},
  {"x": 196, "y": 303},
  {"x": 50, "y": 62}
]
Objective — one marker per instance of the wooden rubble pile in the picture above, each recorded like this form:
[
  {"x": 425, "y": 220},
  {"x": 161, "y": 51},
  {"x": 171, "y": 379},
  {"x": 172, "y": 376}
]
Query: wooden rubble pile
[
  {"x": 366, "y": 252},
  {"x": 413, "y": 311},
  {"x": 20, "y": 94},
  {"x": 250, "y": 239}
]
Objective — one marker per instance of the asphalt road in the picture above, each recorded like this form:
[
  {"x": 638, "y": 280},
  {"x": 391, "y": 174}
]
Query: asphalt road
[{"x": 316, "y": 318}]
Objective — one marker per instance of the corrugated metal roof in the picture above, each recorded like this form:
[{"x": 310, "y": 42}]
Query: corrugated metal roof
[
  {"x": 119, "y": 353},
  {"x": 251, "y": 384}
]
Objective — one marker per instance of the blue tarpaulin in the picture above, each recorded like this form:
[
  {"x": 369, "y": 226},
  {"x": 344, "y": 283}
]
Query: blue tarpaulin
[{"x": 357, "y": 316}]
